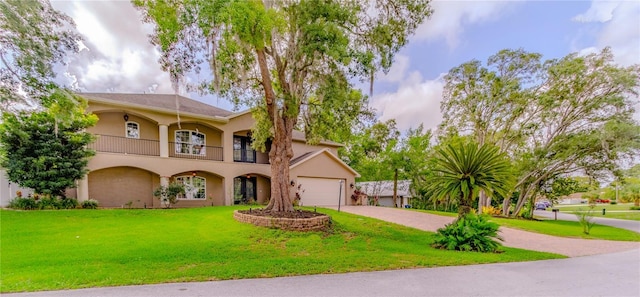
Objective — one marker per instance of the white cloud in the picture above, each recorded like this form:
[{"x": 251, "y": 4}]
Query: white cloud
[
  {"x": 415, "y": 102},
  {"x": 397, "y": 71},
  {"x": 450, "y": 18},
  {"x": 116, "y": 54},
  {"x": 620, "y": 29}
]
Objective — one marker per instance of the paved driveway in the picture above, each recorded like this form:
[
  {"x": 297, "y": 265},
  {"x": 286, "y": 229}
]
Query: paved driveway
[{"x": 571, "y": 247}]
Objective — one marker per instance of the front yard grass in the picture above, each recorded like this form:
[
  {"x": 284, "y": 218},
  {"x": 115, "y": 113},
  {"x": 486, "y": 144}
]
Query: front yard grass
[
  {"x": 69, "y": 249},
  {"x": 569, "y": 229},
  {"x": 613, "y": 211}
]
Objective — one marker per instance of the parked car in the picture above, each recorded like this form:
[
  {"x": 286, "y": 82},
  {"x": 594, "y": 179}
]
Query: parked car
[{"x": 541, "y": 206}]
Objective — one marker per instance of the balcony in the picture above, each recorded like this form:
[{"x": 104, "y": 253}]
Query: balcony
[
  {"x": 123, "y": 145},
  {"x": 192, "y": 151},
  {"x": 147, "y": 147},
  {"x": 250, "y": 156}
]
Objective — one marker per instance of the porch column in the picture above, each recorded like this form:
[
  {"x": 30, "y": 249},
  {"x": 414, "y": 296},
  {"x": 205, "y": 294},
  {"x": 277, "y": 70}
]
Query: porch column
[
  {"x": 228, "y": 190},
  {"x": 227, "y": 144},
  {"x": 164, "y": 141},
  {"x": 83, "y": 189},
  {"x": 164, "y": 182}
]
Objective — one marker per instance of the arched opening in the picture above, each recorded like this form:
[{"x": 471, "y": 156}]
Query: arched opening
[
  {"x": 251, "y": 188},
  {"x": 123, "y": 187}
]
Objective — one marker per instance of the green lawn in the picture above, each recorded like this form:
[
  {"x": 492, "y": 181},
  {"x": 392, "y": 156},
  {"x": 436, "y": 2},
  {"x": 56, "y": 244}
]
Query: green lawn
[
  {"x": 615, "y": 211},
  {"x": 67, "y": 249},
  {"x": 569, "y": 229},
  {"x": 560, "y": 228}
]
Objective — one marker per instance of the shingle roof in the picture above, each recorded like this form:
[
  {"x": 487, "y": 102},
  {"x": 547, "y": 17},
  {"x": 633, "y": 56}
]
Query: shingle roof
[{"x": 163, "y": 101}]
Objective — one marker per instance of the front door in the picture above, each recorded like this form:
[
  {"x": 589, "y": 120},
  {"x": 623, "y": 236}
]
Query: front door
[{"x": 244, "y": 190}]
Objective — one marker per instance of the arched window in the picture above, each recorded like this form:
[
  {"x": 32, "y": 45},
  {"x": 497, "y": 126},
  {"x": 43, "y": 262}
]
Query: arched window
[
  {"x": 132, "y": 130},
  {"x": 190, "y": 142},
  {"x": 195, "y": 187}
]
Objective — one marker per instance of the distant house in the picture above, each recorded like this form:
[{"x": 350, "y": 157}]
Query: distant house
[
  {"x": 575, "y": 198},
  {"x": 8, "y": 189},
  {"x": 383, "y": 192}
]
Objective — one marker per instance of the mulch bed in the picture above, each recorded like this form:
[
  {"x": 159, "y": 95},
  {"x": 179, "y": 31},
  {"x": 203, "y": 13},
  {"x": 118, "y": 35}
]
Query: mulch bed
[{"x": 296, "y": 214}]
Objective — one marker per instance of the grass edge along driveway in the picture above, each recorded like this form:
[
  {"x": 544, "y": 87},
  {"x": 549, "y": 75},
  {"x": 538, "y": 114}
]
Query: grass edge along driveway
[{"x": 70, "y": 249}]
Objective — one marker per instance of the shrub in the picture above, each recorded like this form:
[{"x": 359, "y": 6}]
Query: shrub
[
  {"x": 23, "y": 203},
  {"x": 67, "y": 203},
  {"x": 169, "y": 194},
  {"x": 90, "y": 204},
  {"x": 634, "y": 208},
  {"x": 586, "y": 219},
  {"x": 48, "y": 203},
  {"x": 469, "y": 233},
  {"x": 492, "y": 211},
  {"x": 613, "y": 202}
]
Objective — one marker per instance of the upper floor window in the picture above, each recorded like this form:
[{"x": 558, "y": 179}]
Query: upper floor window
[
  {"x": 190, "y": 142},
  {"x": 132, "y": 130},
  {"x": 242, "y": 151},
  {"x": 195, "y": 187}
]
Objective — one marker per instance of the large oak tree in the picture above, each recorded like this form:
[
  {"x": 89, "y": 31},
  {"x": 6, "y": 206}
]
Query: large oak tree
[
  {"x": 293, "y": 61},
  {"x": 553, "y": 118}
]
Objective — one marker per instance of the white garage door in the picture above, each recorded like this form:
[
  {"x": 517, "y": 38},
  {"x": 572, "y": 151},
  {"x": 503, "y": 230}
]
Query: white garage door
[{"x": 320, "y": 191}]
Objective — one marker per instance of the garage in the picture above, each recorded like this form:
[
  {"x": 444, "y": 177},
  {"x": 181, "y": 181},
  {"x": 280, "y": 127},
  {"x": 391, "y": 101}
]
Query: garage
[{"x": 320, "y": 191}]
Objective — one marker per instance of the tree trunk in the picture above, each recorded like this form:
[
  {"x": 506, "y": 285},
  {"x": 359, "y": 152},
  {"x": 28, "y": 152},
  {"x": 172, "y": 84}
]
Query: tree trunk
[
  {"x": 280, "y": 157},
  {"x": 464, "y": 207},
  {"x": 395, "y": 188},
  {"x": 482, "y": 201},
  {"x": 281, "y": 151}
]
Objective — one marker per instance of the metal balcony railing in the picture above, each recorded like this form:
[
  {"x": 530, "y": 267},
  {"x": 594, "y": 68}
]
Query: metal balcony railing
[
  {"x": 123, "y": 145},
  {"x": 192, "y": 151},
  {"x": 147, "y": 147}
]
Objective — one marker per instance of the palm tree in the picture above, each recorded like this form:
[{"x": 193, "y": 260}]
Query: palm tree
[{"x": 463, "y": 169}]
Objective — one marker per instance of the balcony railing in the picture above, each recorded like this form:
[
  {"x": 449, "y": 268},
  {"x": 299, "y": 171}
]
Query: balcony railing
[
  {"x": 147, "y": 147},
  {"x": 123, "y": 145},
  {"x": 250, "y": 156},
  {"x": 191, "y": 151}
]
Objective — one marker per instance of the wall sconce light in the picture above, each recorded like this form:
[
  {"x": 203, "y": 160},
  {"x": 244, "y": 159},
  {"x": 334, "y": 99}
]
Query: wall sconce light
[
  {"x": 193, "y": 173},
  {"x": 126, "y": 117},
  {"x": 248, "y": 175},
  {"x": 293, "y": 183},
  {"x": 351, "y": 185},
  {"x": 249, "y": 134}
]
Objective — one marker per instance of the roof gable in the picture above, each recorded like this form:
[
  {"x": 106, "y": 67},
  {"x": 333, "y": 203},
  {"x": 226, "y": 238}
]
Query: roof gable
[{"x": 310, "y": 155}]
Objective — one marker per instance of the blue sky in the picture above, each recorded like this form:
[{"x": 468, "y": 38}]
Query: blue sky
[{"x": 118, "y": 58}]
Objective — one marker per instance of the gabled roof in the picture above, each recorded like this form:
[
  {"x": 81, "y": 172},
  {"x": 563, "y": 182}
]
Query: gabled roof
[
  {"x": 385, "y": 188},
  {"x": 310, "y": 155},
  {"x": 166, "y": 102}
]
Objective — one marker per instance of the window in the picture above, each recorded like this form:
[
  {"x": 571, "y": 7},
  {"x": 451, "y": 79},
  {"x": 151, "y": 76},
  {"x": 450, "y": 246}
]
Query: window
[
  {"x": 195, "y": 187},
  {"x": 190, "y": 142},
  {"x": 242, "y": 151},
  {"x": 132, "y": 130}
]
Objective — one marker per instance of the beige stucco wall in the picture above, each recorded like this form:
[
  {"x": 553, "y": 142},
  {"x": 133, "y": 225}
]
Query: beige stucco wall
[
  {"x": 324, "y": 166},
  {"x": 264, "y": 189},
  {"x": 112, "y": 123},
  {"x": 115, "y": 187},
  {"x": 300, "y": 148}
]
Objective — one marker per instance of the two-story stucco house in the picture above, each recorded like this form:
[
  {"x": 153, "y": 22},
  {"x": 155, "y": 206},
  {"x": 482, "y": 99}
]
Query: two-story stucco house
[{"x": 147, "y": 140}]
